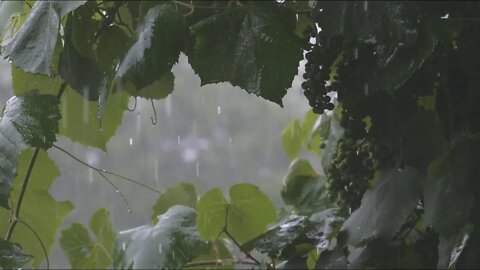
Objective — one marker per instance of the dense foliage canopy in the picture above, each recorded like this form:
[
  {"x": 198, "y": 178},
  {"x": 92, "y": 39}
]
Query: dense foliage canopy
[{"x": 394, "y": 118}]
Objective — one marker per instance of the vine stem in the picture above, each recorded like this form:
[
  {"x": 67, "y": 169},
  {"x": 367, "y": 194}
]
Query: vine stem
[
  {"x": 16, "y": 214},
  {"x": 103, "y": 171}
]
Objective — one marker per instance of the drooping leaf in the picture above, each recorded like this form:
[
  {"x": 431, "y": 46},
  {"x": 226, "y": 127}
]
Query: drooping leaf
[
  {"x": 241, "y": 46},
  {"x": 247, "y": 214},
  {"x": 12, "y": 256},
  {"x": 79, "y": 71},
  {"x": 32, "y": 47},
  {"x": 303, "y": 188},
  {"x": 28, "y": 121},
  {"x": 292, "y": 137},
  {"x": 85, "y": 253},
  {"x": 181, "y": 194},
  {"x": 160, "y": 40},
  {"x": 385, "y": 207},
  {"x": 80, "y": 121},
  {"x": 169, "y": 244},
  {"x": 449, "y": 192},
  {"x": 52, "y": 212}
]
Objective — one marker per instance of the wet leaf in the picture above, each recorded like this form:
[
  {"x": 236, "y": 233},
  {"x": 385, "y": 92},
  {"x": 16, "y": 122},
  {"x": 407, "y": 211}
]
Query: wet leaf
[
  {"x": 303, "y": 188},
  {"x": 12, "y": 256},
  {"x": 28, "y": 121},
  {"x": 385, "y": 207},
  {"x": 160, "y": 40},
  {"x": 247, "y": 214},
  {"x": 241, "y": 46},
  {"x": 169, "y": 244},
  {"x": 112, "y": 46},
  {"x": 181, "y": 194},
  {"x": 292, "y": 139},
  {"x": 32, "y": 47},
  {"x": 53, "y": 212},
  {"x": 157, "y": 90}
]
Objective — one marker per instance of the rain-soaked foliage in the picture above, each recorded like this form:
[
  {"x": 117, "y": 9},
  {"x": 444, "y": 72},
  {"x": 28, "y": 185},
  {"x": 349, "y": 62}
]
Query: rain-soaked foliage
[{"x": 384, "y": 168}]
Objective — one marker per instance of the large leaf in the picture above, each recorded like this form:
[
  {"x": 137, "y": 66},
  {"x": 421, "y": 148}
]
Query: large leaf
[
  {"x": 292, "y": 138},
  {"x": 303, "y": 188},
  {"x": 247, "y": 214},
  {"x": 112, "y": 45},
  {"x": 81, "y": 124},
  {"x": 385, "y": 207},
  {"x": 32, "y": 47},
  {"x": 181, "y": 194},
  {"x": 85, "y": 253},
  {"x": 159, "y": 42},
  {"x": 12, "y": 256},
  {"x": 31, "y": 120},
  {"x": 39, "y": 209},
  {"x": 396, "y": 30},
  {"x": 242, "y": 46},
  {"x": 79, "y": 71},
  {"x": 449, "y": 190},
  {"x": 169, "y": 244}
]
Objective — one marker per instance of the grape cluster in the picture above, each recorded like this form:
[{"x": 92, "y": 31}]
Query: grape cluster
[
  {"x": 320, "y": 58},
  {"x": 353, "y": 166}
]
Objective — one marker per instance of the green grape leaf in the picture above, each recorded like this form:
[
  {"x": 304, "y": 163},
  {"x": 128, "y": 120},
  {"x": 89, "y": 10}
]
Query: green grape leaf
[
  {"x": 242, "y": 46},
  {"x": 82, "y": 251},
  {"x": 84, "y": 28},
  {"x": 449, "y": 192},
  {"x": 181, "y": 194},
  {"x": 53, "y": 212},
  {"x": 80, "y": 72},
  {"x": 385, "y": 207},
  {"x": 80, "y": 121},
  {"x": 308, "y": 123},
  {"x": 303, "y": 188},
  {"x": 112, "y": 45},
  {"x": 157, "y": 90},
  {"x": 32, "y": 47},
  {"x": 28, "y": 121},
  {"x": 158, "y": 46},
  {"x": 247, "y": 214},
  {"x": 169, "y": 244},
  {"x": 12, "y": 256},
  {"x": 292, "y": 139},
  {"x": 24, "y": 82}
]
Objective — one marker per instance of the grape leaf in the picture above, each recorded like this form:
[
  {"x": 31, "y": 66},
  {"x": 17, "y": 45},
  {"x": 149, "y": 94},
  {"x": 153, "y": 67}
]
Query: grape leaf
[
  {"x": 12, "y": 256},
  {"x": 38, "y": 197},
  {"x": 181, "y": 194},
  {"x": 242, "y": 46},
  {"x": 169, "y": 244},
  {"x": 24, "y": 82},
  {"x": 112, "y": 45},
  {"x": 28, "y": 121},
  {"x": 385, "y": 207},
  {"x": 292, "y": 139},
  {"x": 247, "y": 214},
  {"x": 32, "y": 47},
  {"x": 160, "y": 40},
  {"x": 159, "y": 89},
  {"x": 82, "y": 251}
]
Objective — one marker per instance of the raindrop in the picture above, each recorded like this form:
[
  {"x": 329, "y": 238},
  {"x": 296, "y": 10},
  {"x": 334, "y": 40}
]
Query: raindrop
[
  {"x": 219, "y": 110},
  {"x": 168, "y": 106},
  {"x": 90, "y": 175},
  {"x": 230, "y": 140},
  {"x": 365, "y": 88},
  {"x": 124, "y": 246},
  {"x": 101, "y": 130},
  {"x": 129, "y": 210},
  {"x": 155, "y": 170},
  {"x": 160, "y": 248},
  {"x": 116, "y": 190},
  {"x": 444, "y": 17},
  {"x": 131, "y": 141},
  {"x": 280, "y": 1},
  {"x": 365, "y": 5},
  {"x": 178, "y": 139},
  {"x": 355, "y": 53},
  {"x": 197, "y": 170}
]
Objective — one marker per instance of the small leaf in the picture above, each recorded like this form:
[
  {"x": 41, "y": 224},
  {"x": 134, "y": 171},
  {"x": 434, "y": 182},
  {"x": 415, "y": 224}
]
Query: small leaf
[
  {"x": 241, "y": 46},
  {"x": 292, "y": 137},
  {"x": 76, "y": 243},
  {"x": 159, "y": 42},
  {"x": 303, "y": 188},
  {"x": 169, "y": 244},
  {"x": 385, "y": 207},
  {"x": 181, "y": 194},
  {"x": 247, "y": 214},
  {"x": 32, "y": 47},
  {"x": 12, "y": 256}
]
